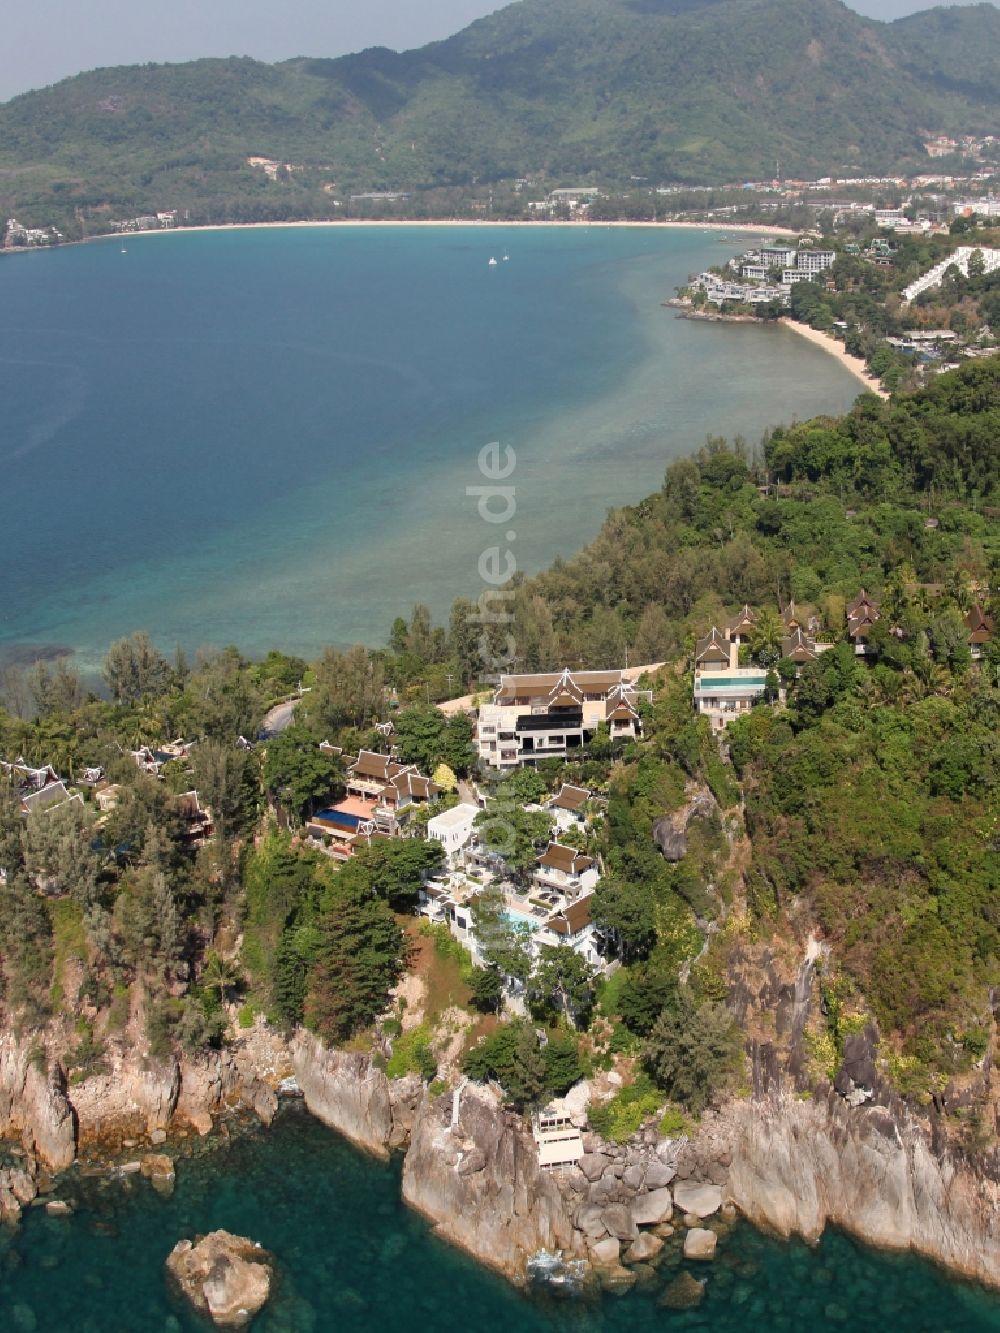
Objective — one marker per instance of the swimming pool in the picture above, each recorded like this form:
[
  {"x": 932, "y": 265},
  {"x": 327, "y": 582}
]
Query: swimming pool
[{"x": 520, "y": 919}]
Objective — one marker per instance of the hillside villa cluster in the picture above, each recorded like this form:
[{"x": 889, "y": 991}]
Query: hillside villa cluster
[
  {"x": 725, "y": 690},
  {"x": 41, "y": 790}
]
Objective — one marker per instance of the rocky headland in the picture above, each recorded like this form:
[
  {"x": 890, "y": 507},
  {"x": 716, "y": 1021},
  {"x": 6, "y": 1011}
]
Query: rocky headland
[{"x": 794, "y": 1155}]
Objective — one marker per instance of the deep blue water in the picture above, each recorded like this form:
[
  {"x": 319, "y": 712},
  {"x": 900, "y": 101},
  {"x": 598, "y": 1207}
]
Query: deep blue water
[
  {"x": 265, "y": 437},
  {"x": 353, "y": 1259}
]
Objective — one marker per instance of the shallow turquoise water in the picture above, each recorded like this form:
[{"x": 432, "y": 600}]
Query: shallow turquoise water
[
  {"x": 352, "y": 1258},
  {"x": 265, "y": 437}
]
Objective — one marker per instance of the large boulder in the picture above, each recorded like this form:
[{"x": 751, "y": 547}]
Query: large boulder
[
  {"x": 658, "y": 1174},
  {"x": 645, "y": 1248},
  {"x": 698, "y": 1200},
  {"x": 159, "y": 1170},
  {"x": 605, "y": 1252},
  {"x": 617, "y": 1217},
  {"x": 224, "y": 1276},
  {"x": 700, "y": 1244},
  {"x": 648, "y": 1210},
  {"x": 592, "y": 1164}
]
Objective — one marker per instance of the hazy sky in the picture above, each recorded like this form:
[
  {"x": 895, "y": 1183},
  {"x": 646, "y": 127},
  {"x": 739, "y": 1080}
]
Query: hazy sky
[{"x": 45, "y": 40}]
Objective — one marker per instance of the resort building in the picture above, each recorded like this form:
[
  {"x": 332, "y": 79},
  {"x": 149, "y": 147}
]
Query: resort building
[
  {"x": 799, "y": 648},
  {"x": 382, "y": 797},
  {"x": 453, "y": 829},
  {"x": 391, "y": 791},
  {"x": 862, "y": 613},
  {"x": 565, "y": 869},
  {"x": 547, "y": 715},
  {"x": 722, "y": 688},
  {"x": 569, "y": 806},
  {"x": 981, "y": 629}
]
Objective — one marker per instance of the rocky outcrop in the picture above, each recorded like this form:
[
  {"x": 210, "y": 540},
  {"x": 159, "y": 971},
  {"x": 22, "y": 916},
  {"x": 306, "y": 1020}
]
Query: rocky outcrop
[
  {"x": 224, "y": 1276},
  {"x": 17, "y": 1189},
  {"x": 135, "y": 1097},
  {"x": 798, "y": 1165},
  {"x": 473, "y": 1171},
  {"x": 34, "y": 1105},
  {"x": 670, "y": 831},
  {"x": 350, "y": 1094}
]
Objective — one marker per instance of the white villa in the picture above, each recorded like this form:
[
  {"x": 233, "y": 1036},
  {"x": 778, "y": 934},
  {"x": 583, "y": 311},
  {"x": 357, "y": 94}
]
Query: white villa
[
  {"x": 549, "y": 714},
  {"x": 453, "y": 830}
]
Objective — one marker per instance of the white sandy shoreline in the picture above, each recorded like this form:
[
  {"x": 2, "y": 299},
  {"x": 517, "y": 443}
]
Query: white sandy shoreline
[
  {"x": 747, "y": 228},
  {"x": 836, "y": 348}
]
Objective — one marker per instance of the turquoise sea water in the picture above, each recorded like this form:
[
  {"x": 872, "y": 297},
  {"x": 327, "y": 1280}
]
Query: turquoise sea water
[
  {"x": 353, "y": 1259},
  {"x": 265, "y": 437}
]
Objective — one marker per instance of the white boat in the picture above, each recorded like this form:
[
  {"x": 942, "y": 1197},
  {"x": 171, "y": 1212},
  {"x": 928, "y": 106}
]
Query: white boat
[
  {"x": 493, "y": 261},
  {"x": 506, "y": 257}
]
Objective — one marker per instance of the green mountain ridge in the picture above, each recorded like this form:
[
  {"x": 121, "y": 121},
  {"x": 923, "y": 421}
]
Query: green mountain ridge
[{"x": 670, "y": 90}]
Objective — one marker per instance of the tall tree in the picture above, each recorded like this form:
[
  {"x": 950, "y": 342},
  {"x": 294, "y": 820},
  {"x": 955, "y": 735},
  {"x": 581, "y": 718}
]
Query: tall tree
[{"x": 133, "y": 668}]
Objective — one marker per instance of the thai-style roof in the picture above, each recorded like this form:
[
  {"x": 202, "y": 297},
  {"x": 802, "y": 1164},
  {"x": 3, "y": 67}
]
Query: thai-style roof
[
  {"x": 743, "y": 622},
  {"x": 44, "y": 798},
  {"x": 620, "y": 705},
  {"x": 714, "y": 647},
  {"x": 862, "y": 602},
  {"x": 550, "y": 685},
  {"x": 569, "y": 798},
  {"x": 790, "y": 618},
  {"x": 566, "y": 859},
  {"x": 799, "y": 647},
  {"x": 414, "y": 785},
  {"x": 573, "y": 918},
  {"x": 980, "y": 625},
  {"x": 375, "y": 767}
]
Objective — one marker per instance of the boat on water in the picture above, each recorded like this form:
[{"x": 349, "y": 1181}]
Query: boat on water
[
  {"x": 493, "y": 261},
  {"x": 506, "y": 257}
]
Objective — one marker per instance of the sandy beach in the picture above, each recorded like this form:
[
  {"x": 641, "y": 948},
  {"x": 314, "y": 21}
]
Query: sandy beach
[
  {"x": 836, "y": 348},
  {"x": 746, "y": 228}
]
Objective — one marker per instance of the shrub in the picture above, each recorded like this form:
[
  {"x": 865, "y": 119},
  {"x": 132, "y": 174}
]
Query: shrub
[
  {"x": 412, "y": 1054},
  {"x": 622, "y": 1116}
]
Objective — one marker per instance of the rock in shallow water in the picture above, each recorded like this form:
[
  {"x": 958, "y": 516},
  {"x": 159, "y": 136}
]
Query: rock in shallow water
[
  {"x": 700, "y": 1244},
  {"x": 224, "y": 1276},
  {"x": 684, "y": 1293}
]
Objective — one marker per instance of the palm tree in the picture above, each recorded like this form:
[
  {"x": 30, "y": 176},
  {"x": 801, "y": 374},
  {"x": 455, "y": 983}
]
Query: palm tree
[
  {"x": 765, "y": 639},
  {"x": 220, "y": 974}
]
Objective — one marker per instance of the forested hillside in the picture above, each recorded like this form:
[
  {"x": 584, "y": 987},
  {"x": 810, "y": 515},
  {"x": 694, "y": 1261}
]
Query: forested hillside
[
  {"x": 869, "y": 815},
  {"x": 604, "y": 90}
]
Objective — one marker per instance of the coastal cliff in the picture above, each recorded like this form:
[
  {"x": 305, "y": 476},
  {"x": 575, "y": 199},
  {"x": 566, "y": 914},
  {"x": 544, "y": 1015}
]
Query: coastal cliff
[
  {"x": 473, "y": 1171},
  {"x": 348, "y": 1093},
  {"x": 34, "y": 1105},
  {"x": 798, "y": 1166}
]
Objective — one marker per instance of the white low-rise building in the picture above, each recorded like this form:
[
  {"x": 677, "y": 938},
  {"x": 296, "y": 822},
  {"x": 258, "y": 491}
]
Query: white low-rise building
[{"x": 453, "y": 830}]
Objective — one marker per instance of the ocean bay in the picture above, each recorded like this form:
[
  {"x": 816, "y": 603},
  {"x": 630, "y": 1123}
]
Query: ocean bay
[{"x": 265, "y": 436}]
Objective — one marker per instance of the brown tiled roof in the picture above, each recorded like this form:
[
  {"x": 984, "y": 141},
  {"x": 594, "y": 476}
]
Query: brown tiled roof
[
  {"x": 861, "y": 601},
  {"x": 569, "y": 798},
  {"x": 573, "y": 918},
  {"x": 542, "y": 684},
  {"x": 980, "y": 625},
  {"x": 790, "y": 617},
  {"x": 713, "y": 647},
  {"x": 415, "y": 785},
  {"x": 799, "y": 647},
  {"x": 745, "y": 620},
  {"x": 566, "y": 859},
  {"x": 376, "y": 767}
]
